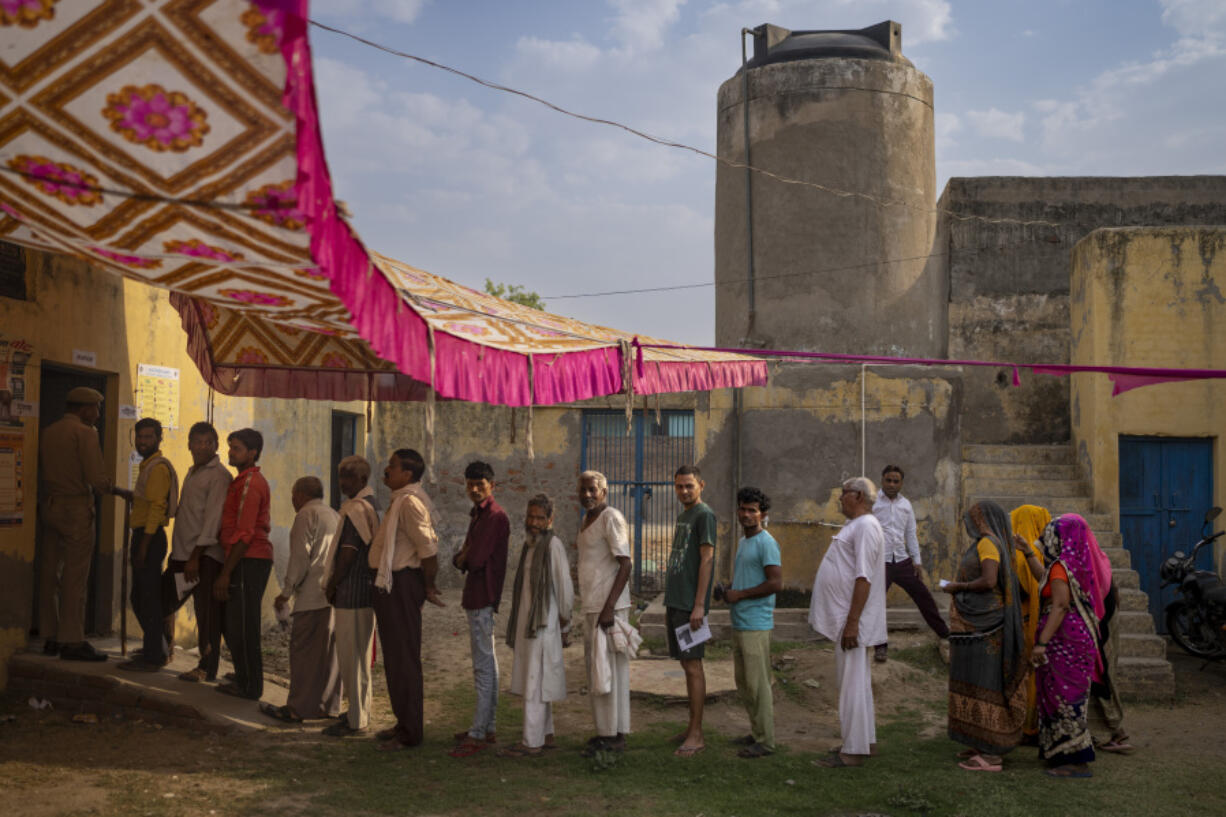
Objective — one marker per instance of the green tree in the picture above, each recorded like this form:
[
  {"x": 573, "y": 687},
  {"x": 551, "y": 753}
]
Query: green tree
[{"x": 515, "y": 294}]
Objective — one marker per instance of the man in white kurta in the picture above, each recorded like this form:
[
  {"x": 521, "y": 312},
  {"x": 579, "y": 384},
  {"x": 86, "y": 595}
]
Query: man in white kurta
[
  {"x": 604, "y": 570},
  {"x": 848, "y": 607},
  {"x": 540, "y": 619}
]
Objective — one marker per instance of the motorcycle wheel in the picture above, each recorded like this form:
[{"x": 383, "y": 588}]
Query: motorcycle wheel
[{"x": 1184, "y": 626}]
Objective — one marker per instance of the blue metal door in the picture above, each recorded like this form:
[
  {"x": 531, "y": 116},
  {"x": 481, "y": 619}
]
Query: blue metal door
[
  {"x": 1166, "y": 485},
  {"x": 639, "y": 467}
]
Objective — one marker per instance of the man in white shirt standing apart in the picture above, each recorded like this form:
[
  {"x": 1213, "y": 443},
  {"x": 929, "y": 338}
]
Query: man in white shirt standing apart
[
  {"x": 848, "y": 607},
  {"x": 903, "y": 563}
]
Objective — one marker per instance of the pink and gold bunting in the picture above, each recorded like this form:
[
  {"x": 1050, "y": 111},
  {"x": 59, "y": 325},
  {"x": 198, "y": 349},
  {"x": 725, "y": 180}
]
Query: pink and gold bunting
[{"x": 177, "y": 142}]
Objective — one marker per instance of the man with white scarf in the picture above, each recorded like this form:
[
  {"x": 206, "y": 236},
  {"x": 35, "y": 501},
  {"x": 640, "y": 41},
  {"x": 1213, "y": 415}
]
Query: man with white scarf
[
  {"x": 349, "y": 590},
  {"x": 539, "y": 627},
  {"x": 404, "y": 554}
]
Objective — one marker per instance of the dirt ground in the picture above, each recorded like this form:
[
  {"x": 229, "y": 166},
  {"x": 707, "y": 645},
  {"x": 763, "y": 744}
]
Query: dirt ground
[{"x": 51, "y": 766}]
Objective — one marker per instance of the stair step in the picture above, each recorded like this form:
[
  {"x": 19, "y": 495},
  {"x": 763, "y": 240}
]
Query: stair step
[
  {"x": 1099, "y": 521},
  {"x": 1056, "y": 505},
  {"x": 1136, "y": 645},
  {"x": 1145, "y": 677},
  {"x": 1136, "y": 622},
  {"x": 1012, "y": 470},
  {"x": 1024, "y": 487},
  {"x": 1108, "y": 539},
  {"x": 1134, "y": 600},
  {"x": 1120, "y": 558},
  {"x": 1019, "y": 454},
  {"x": 1126, "y": 579}
]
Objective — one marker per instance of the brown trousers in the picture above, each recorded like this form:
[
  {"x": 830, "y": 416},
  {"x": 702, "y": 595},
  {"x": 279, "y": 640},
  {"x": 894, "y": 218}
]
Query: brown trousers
[
  {"x": 399, "y": 617},
  {"x": 67, "y": 525},
  {"x": 314, "y": 675}
]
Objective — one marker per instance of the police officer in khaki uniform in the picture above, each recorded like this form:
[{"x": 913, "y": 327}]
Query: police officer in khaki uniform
[{"x": 70, "y": 469}]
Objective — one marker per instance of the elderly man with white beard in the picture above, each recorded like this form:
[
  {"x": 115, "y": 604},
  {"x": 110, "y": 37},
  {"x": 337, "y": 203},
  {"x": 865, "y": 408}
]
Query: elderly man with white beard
[{"x": 539, "y": 627}]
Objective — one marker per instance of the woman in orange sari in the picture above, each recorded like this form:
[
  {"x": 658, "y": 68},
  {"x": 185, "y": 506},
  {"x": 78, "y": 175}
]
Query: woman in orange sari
[{"x": 1028, "y": 524}]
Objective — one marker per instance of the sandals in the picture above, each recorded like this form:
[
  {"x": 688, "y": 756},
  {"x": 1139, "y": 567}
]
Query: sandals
[
  {"x": 687, "y": 751},
  {"x": 467, "y": 748},
  {"x": 1119, "y": 745},
  {"x": 194, "y": 676},
  {"x": 744, "y": 740},
  {"x": 520, "y": 750},
  {"x": 232, "y": 689},
  {"x": 279, "y": 713},
  {"x": 1067, "y": 772},
  {"x": 977, "y": 763},
  {"x": 755, "y": 750}
]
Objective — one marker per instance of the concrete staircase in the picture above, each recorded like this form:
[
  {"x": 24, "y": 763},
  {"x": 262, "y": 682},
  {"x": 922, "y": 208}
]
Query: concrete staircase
[{"x": 1047, "y": 475}]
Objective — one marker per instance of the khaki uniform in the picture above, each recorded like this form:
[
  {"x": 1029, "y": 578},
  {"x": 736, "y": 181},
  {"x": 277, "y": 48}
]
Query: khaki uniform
[{"x": 70, "y": 469}]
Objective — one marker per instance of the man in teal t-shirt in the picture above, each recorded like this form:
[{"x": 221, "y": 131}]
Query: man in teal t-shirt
[
  {"x": 687, "y": 594},
  {"x": 757, "y": 576}
]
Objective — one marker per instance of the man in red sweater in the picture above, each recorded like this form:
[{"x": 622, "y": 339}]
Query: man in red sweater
[{"x": 243, "y": 577}]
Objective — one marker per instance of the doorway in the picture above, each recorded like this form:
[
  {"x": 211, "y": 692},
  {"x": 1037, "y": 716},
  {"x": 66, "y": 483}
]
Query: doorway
[
  {"x": 344, "y": 444},
  {"x": 1166, "y": 485},
  {"x": 54, "y": 384}
]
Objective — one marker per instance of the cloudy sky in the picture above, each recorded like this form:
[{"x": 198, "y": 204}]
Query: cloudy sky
[{"x": 471, "y": 183}]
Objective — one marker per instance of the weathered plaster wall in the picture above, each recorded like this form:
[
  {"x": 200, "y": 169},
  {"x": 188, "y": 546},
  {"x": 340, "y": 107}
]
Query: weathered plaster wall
[
  {"x": 1147, "y": 297},
  {"x": 1009, "y": 283},
  {"x": 125, "y": 323},
  {"x": 801, "y": 437}
]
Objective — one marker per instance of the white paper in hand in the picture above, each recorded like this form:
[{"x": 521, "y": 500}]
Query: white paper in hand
[
  {"x": 688, "y": 639},
  {"x": 943, "y": 583},
  {"x": 183, "y": 586}
]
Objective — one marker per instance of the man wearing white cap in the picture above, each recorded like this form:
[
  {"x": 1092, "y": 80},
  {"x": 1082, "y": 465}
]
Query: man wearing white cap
[{"x": 70, "y": 469}]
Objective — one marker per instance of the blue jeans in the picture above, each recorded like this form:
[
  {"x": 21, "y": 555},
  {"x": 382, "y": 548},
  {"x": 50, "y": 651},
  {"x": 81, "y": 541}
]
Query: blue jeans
[{"x": 485, "y": 670}]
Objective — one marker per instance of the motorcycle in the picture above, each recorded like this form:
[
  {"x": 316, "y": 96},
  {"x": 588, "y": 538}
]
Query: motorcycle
[{"x": 1197, "y": 619}]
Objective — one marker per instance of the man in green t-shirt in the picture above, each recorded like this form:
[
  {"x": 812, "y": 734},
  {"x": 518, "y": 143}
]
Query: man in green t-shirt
[{"x": 687, "y": 594}]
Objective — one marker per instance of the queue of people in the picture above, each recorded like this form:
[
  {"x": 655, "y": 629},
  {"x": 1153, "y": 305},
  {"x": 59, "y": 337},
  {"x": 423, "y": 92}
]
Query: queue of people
[{"x": 1030, "y": 641}]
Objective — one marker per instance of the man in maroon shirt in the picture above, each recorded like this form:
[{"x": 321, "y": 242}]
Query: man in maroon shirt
[
  {"x": 484, "y": 558},
  {"x": 243, "y": 577}
]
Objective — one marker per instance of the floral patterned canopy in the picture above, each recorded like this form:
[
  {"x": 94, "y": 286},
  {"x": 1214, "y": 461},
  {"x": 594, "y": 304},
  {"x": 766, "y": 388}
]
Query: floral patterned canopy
[{"x": 177, "y": 142}]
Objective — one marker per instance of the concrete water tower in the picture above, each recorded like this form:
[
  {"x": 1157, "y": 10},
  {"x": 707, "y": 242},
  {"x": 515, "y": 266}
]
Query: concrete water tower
[{"x": 843, "y": 109}]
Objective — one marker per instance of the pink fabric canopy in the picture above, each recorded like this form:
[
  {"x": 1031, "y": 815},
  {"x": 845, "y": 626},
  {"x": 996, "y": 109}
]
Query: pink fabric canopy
[{"x": 177, "y": 142}]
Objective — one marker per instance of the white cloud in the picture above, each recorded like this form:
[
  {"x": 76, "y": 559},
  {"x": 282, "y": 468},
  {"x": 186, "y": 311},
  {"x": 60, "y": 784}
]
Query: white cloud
[
  {"x": 564, "y": 55},
  {"x": 1195, "y": 18},
  {"x": 640, "y": 25},
  {"x": 997, "y": 124},
  {"x": 945, "y": 125}
]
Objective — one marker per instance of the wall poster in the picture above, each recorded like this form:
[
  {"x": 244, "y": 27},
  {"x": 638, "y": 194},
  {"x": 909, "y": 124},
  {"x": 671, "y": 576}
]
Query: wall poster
[
  {"x": 157, "y": 394},
  {"x": 12, "y": 467}
]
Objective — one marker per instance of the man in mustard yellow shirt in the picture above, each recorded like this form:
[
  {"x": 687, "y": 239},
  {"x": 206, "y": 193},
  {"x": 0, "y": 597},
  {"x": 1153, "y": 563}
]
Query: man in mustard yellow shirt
[{"x": 154, "y": 501}]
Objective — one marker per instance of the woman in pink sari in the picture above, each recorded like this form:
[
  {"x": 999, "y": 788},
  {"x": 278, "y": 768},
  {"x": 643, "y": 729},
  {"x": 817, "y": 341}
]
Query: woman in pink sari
[{"x": 1065, "y": 653}]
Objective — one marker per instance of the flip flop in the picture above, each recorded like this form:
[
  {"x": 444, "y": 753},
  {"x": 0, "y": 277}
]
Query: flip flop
[
  {"x": 194, "y": 676},
  {"x": 976, "y": 763},
  {"x": 966, "y": 754},
  {"x": 1119, "y": 747},
  {"x": 687, "y": 751},
  {"x": 755, "y": 750},
  {"x": 520, "y": 750},
  {"x": 280, "y": 713},
  {"x": 231, "y": 689},
  {"x": 467, "y": 749},
  {"x": 744, "y": 740},
  {"x": 835, "y": 760},
  {"x": 1064, "y": 772}
]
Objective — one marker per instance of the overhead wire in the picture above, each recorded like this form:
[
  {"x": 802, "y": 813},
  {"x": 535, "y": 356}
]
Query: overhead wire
[{"x": 731, "y": 163}]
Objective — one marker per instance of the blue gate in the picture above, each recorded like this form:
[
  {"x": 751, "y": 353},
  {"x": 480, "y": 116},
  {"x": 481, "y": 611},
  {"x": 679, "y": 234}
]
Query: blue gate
[
  {"x": 1166, "y": 485},
  {"x": 640, "y": 467}
]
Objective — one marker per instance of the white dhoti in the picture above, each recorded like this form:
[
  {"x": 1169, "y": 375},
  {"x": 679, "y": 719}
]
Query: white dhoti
[
  {"x": 857, "y": 723},
  {"x": 538, "y": 671},
  {"x": 612, "y": 710}
]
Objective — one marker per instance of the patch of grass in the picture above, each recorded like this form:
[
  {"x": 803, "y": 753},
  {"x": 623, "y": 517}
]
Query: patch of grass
[{"x": 924, "y": 657}]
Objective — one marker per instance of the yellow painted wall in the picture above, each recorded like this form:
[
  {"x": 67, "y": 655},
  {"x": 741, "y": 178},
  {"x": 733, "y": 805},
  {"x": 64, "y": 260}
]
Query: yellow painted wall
[
  {"x": 73, "y": 306},
  {"x": 1147, "y": 296}
]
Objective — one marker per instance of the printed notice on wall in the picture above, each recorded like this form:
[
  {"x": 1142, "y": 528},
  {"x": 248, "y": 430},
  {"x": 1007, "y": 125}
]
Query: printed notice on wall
[
  {"x": 12, "y": 492},
  {"x": 15, "y": 353},
  {"x": 157, "y": 394}
]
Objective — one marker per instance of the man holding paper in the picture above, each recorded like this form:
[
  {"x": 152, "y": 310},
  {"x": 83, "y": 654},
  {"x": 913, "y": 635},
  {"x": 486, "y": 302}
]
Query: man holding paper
[
  {"x": 687, "y": 594},
  {"x": 196, "y": 556},
  {"x": 848, "y": 607}
]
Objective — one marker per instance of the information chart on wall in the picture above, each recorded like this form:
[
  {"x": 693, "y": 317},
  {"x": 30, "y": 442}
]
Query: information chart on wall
[{"x": 157, "y": 394}]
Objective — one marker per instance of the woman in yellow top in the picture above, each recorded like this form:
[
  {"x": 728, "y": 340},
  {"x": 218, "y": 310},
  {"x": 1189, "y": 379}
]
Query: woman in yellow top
[
  {"x": 1028, "y": 524},
  {"x": 987, "y": 699}
]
